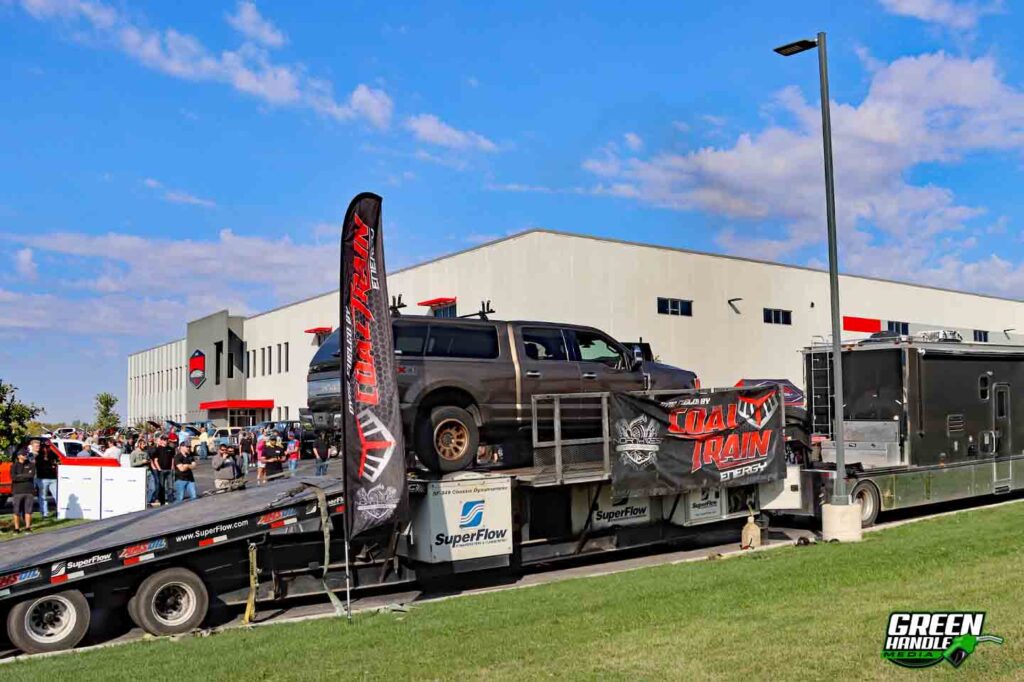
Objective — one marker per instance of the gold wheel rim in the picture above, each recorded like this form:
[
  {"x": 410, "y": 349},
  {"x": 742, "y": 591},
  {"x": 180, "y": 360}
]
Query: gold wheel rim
[{"x": 451, "y": 439}]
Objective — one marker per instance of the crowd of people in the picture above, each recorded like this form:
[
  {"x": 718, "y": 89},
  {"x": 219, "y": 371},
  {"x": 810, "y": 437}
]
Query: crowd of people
[{"x": 172, "y": 459}]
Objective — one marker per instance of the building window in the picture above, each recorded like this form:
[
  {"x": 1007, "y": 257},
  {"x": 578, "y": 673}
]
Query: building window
[
  {"x": 778, "y": 316},
  {"x": 280, "y": 364},
  {"x": 286, "y": 413},
  {"x": 444, "y": 311},
  {"x": 231, "y": 365},
  {"x": 980, "y": 336},
  {"x": 901, "y": 328},
  {"x": 218, "y": 353},
  {"x": 263, "y": 361},
  {"x": 286, "y": 360},
  {"x": 675, "y": 306}
]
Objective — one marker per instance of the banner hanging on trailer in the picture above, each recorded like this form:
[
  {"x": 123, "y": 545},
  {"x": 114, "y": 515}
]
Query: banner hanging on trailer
[
  {"x": 371, "y": 421},
  {"x": 668, "y": 445}
]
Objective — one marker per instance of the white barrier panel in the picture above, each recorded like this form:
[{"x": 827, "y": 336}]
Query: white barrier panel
[
  {"x": 123, "y": 490},
  {"x": 78, "y": 492}
]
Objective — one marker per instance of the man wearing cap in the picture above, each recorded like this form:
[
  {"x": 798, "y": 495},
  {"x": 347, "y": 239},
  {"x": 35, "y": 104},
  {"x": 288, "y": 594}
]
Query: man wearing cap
[
  {"x": 161, "y": 462},
  {"x": 273, "y": 456},
  {"x": 184, "y": 480},
  {"x": 226, "y": 467},
  {"x": 23, "y": 488}
]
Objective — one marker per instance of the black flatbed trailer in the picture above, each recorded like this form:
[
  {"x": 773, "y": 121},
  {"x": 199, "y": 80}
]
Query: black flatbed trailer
[{"x": 203, "y": 548}]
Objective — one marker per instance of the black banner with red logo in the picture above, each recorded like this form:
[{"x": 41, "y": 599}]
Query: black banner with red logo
[
  {"x": 671, "y": 444},
  {"x": 375, "y": 490}
]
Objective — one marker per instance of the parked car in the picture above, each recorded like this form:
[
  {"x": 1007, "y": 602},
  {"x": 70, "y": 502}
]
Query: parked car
[
  {"x": 463, "y": 383},
  {"x": 225, "y": 435},
  {"x": 302, "y": 430}
]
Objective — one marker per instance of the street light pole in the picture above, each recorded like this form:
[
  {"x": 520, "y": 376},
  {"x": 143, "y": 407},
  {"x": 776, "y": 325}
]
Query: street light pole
[{"x": 839, "y": 492}]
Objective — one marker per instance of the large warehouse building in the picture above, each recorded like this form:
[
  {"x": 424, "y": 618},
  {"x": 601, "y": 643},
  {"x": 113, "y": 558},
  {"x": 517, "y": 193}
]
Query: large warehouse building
[{"x": 724, "y": 317}]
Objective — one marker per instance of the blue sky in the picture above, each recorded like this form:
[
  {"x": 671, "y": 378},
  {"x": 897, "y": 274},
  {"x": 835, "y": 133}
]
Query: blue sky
[{"x": 164, "y": 160}]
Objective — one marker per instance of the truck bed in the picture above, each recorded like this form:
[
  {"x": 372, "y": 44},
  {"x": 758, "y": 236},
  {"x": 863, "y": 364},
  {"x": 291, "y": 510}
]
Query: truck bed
[{"x": 35, "y": 561}]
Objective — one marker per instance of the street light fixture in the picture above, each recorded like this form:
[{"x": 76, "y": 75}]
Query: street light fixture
[{"x": 839, "y": 493}]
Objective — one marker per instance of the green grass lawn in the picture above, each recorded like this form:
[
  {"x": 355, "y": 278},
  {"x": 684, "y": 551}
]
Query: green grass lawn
[
  {"x": 39, "y": 525},
  {"x": 816, "y": 612}
]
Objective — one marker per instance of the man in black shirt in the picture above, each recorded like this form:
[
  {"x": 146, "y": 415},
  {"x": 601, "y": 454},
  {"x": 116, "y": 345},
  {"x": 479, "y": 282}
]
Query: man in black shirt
[
  {"x": 46, "y": 462},
  {"x": 23, "y": 484},
  {"x": 322, "y": 454},
  {"x": 161, "y": 462},
  {"x": 273, "y": 455},
  {"x": 184, "y": 480}
]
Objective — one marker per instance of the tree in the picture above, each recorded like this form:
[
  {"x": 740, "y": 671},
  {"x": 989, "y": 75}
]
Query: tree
[
  {"x": 106, "y": 418},
  {"x": 14, "y": 417}
]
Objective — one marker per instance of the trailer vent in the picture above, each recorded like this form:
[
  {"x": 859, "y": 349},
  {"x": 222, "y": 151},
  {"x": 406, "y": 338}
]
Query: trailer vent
[{"x": 954, "y": 424}]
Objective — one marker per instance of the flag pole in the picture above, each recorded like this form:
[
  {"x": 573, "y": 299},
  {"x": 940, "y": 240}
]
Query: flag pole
[{"x": 342, "y": 407}]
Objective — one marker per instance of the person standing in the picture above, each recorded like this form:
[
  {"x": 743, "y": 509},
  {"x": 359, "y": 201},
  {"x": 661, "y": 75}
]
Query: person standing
[
  {"x": 161, "y": 461},
  {"x": 226, "y": 467},
  {"x": 203, "y": 449},
  {"x": 46, "y": 462},
  {"x": 273, "y": 458},
  {"x": 322, "y": 454},
  {"x": 245, "y": 447},
  {"x": 261, "y": 460},
  {"x": 23, "y": 478},
  {"x": 184, "y": 478},
  {"x": 292, "y": 453}
]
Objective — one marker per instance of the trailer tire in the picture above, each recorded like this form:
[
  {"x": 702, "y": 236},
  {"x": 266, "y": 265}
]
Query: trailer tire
[
  {"x": 171, "y": 602},
  {"x": 52, "y": 622},
  {"x": 870, "y": 500},
  {"x": 447, "y": 439}
]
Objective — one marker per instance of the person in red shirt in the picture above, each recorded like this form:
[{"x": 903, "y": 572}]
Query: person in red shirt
[{"x": 293, "y": 453}]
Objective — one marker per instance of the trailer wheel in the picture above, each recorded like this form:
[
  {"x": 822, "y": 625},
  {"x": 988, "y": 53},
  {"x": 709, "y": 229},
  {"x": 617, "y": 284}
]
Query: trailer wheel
[
  {"x": 171, "y": 602},
  {"x": 448, "y": 439},
  {"x": 53, "y": 622},
  {"x": 870, "y": 502}
]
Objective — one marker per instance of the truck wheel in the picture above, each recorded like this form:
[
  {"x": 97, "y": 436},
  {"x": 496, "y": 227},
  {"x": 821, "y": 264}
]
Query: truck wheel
[
  {"x": 447, "y": 440},
  {"x": 870, "y": 502},
  {"x": 53, "y": 622},
  {"x": 171, "y": 602}
]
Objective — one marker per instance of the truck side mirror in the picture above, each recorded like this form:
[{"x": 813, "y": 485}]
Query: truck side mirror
[
  {"x": 988, "y": 442},
  {"x": 638, "y": 354},
  {"x": 637, "y": 364}
]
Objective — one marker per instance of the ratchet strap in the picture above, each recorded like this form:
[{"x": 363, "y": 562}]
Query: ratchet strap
[
  {"x": 325, "y": 524},
  {"x": 254, "y": 583}
]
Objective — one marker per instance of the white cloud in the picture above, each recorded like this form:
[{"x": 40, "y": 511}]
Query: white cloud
[
  {"x": 248, "y": 21},
  {"x": 472, "y": 82},
  {"x": 959, "y": 16},
  {"x": 248, "y": 69},
  {"x": 929, "y": 109},
  {"x": 681, "y": 126},
  {"x": 25, "y": 264},
  {"x": 429, "y": 128},
  {"x": 634, "y": 141},
  {"x": 142, "y": 286},
  {"x": 177, "y": 196}
]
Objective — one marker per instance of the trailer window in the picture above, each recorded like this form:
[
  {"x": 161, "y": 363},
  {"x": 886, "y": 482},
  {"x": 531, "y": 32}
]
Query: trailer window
[
  {"x": 1001, "y": 410},
  {"x": 449, "y": 341},
  {"x": 873, "y": 385},
  {"x": 984, "y": 382}
]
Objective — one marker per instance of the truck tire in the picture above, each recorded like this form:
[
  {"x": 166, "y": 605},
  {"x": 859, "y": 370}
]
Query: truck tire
[
  {"x": 53, "y": 622},
  {"x": 871, "y": 502},
  {"x": 447, "y": 439},
  {"x": 171, "y": 602}
]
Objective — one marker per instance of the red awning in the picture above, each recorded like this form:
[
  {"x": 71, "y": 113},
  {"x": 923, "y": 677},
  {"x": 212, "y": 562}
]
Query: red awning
[
  {"x": 319, "y": 330},
  {"x": 861, "y": 324},
  {"x": 435, "y": 302},
  {"x": 237, "y": 405}
]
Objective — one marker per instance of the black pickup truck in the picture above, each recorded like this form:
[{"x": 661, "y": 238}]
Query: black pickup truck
[{"x": 463, "y": 383}]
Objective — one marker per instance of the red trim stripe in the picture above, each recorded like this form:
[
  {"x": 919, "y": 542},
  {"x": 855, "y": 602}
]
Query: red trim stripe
[
  {"x": 56, "y": 580},
  {"x": 861, "y": 324}
]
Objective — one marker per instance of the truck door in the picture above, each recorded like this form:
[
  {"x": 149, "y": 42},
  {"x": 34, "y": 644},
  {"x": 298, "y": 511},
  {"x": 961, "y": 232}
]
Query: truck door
[
  {"x": 546, "y": 366},
  {"x": 605, "y": 365},
  {"x": 1003, "y": 434}
]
